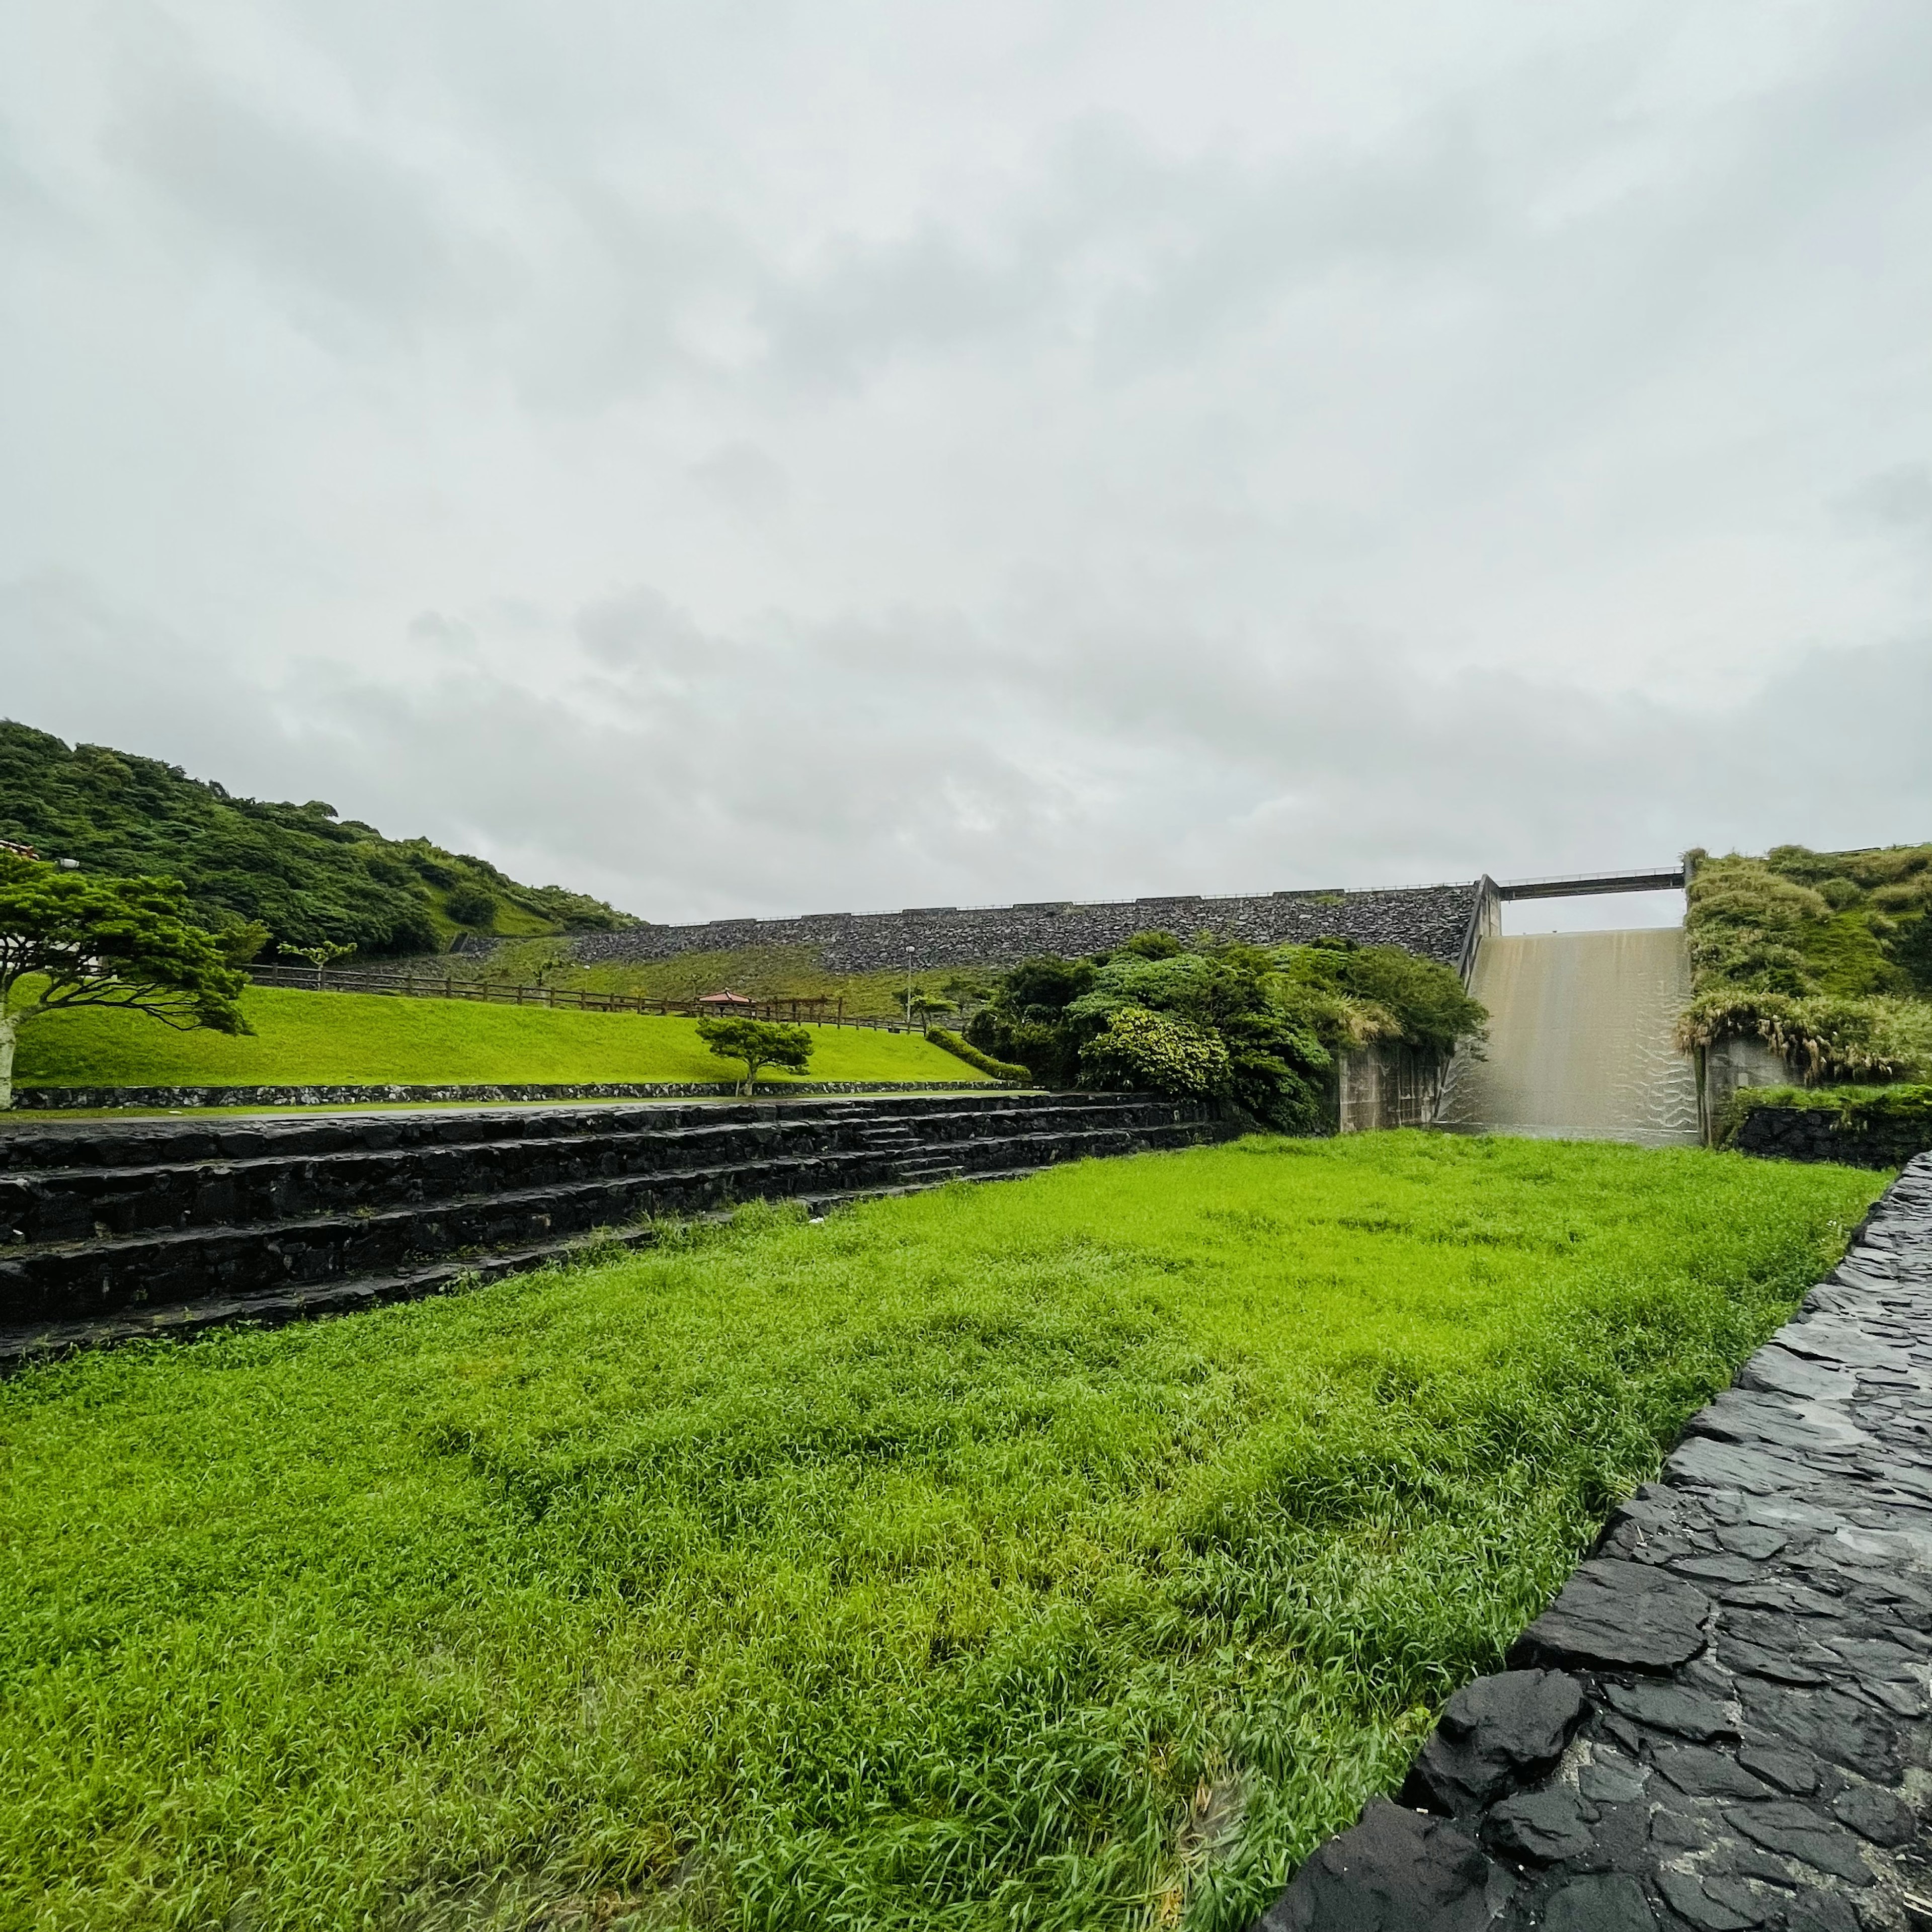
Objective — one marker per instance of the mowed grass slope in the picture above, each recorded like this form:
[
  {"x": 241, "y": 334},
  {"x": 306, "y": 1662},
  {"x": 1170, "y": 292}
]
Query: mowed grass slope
[
  {"x": 1072, "y": 1552},
  {"x": 367, "y": 1039}
]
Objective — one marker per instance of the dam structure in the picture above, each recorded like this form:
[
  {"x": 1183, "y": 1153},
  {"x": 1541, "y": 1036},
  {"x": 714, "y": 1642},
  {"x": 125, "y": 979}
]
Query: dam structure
[{"x": 1579, "y": 1045}]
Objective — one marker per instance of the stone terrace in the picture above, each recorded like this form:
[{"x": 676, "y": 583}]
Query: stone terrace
[
  {"x": 1722, "y": 1721},
  {"x": 1431, "y": 920}
]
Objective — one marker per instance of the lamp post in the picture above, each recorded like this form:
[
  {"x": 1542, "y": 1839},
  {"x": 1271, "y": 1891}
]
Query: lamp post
[{"x": 909, "y": 953}]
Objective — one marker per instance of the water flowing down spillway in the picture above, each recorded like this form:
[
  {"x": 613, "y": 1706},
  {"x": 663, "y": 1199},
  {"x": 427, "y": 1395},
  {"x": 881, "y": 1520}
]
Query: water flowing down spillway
[{"x": 1579, "y": 1042}]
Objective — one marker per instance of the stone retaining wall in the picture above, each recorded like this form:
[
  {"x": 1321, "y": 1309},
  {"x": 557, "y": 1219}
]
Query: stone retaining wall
[
  {"x": 88, "y": 1099},
  {"x": 1721, "y": 1722},
  {"x": 1823, "y": 1133},
  {"x": 1431, "y": 920}
]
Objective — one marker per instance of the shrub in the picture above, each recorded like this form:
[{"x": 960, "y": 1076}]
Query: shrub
[
  {"x": 958, "y": 1045},
  {"x": 471, "y": 904},
  {"x": 1146, "y": 1052}
]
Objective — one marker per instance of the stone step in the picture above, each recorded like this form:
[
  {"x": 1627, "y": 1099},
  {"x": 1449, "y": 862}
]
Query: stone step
[
  {"x": 23, "y": 1343},
  {"x": 28, "y": 1145},
  {"x": 81, "y": 1203},
  {"x": 92, "y": 1279}
]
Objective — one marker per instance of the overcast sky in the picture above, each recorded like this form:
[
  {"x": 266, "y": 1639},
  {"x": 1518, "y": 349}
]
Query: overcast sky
[{"x": 764, "y": 457}]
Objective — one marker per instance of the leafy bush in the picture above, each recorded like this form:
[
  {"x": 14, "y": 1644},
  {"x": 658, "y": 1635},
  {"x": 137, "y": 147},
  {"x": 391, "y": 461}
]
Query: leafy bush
[
  {"x": 958, "y": 1044},
  {"x": 1390, "y": 992},
  {"x": 471, "y": 904},
  {"x": 1138, "y": 1017},
  {"x": 1148, "y": 1052}
]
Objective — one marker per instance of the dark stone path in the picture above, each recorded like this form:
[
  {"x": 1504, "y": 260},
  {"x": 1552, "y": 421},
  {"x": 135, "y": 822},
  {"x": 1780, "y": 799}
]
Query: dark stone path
[{"x": 1722, "y": 1722}]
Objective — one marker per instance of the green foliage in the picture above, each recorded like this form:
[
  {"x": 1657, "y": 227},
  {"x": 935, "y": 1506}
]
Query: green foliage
[
  {"x": 757, "y": 1043},
  {"x": 1149, "y": 1053},
  {"x": 957, "y": 1044},
  {"x": 308, "y": 1039},
  {"x": 909, "y": 1571},
  {"x": 471, "y": 903},
  {"x": 1419, "y": 1001},
  {"x": 1155, "y": 945},
  {"x": 1278, "y": 1018},
  {"x": 305, "y": 874},
  {"x": 1826, "y": 1039},
  {"x": 1828, "y": 956},
  {"x": 68, "y": 941}
]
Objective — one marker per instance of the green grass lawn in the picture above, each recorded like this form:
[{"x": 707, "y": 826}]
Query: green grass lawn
[
  {"x": 364, "y": 1039},
  {"x": 763, "y": 972},
  {"x": 1071, "y": 1552}
]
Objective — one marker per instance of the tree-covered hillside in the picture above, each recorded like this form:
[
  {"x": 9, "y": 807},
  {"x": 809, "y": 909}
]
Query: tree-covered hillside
[{"x": 306, "y": 874}]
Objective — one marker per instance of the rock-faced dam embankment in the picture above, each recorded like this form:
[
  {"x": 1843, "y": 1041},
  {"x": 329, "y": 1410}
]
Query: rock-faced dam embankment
[{"x": 1432, "y": 920}]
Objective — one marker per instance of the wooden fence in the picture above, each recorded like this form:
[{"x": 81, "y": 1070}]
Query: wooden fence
[{"x": 445, "y": 986}]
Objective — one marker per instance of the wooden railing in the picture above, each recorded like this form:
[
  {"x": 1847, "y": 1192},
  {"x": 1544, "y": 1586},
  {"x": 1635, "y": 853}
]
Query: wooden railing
[{"x": 819, "y": 1011}]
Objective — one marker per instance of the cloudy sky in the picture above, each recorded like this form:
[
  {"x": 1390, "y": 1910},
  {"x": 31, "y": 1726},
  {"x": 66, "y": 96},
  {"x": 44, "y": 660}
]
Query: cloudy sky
[{"x": 772, "y": 458}]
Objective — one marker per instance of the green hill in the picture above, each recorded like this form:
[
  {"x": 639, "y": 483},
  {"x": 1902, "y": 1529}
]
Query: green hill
[{"x": 307, "y": 874}]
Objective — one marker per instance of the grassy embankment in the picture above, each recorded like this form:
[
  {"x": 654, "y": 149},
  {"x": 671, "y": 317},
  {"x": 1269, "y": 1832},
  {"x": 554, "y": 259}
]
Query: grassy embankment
[
  {"x": 366, "y": 1039},
  {"x": 1072, "y": 1552},
  {"x": 761, "y": 972}
]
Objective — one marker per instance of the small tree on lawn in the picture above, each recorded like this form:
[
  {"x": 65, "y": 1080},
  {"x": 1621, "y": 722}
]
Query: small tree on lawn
[
  {"x": 67, "y": 940},
  {"x": 758, "y": 1043},
  {"x": 320, "y": 957}
]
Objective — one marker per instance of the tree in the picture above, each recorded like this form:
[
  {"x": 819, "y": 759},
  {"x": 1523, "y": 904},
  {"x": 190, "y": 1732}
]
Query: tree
[
  {"x": 68, "y": 940},
  {"x": 758, "y": 1043},
  {"x": 320, "y": 957}
]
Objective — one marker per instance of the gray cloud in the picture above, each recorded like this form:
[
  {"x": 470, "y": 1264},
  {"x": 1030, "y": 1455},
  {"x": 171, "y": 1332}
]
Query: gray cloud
[{"x": 1021, "y": 451}]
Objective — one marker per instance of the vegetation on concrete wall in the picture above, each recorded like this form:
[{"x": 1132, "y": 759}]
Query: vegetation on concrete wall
[
  {"x": 1257, "y": 1026},
  {"x": 1827, "y": 956},
  {"x": 307, "y": 874}
]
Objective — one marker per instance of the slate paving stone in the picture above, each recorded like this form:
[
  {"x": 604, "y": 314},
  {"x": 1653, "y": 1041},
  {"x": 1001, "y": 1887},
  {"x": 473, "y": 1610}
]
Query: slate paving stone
[
  {"x": 1395, "y": 1871},
  {"x": 1800, "y": 1833},
  {"x": 1609, "y": 1779},
  {"x": 1731, "y": 1858},
  {"x": 1612, "y": 1903},
  {"x": 1699, "y": 1773},
  {"x": 1542, "y": 1826},
  {"x": 1721, "y": 1722},
  {"x": 1787, "y": 1770},
  {"x": 1725, "y": 1569},
  {"x": 1712, "y": 1905},
  {"x": 1879, "y": 1815},
  {"x": 1681, "y": 1831},
  {"x": 1496, "y": 1733},
  {"x": 1665, "y": 1708},
  {"x": 1613, "y": 1615},
  {"x": 1755, "y": 1660},
  {"x": 1830, "y": 1725},
  {"x": 1748, "y": 1539},
  {"x": 1821, "y": 1912}
]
